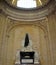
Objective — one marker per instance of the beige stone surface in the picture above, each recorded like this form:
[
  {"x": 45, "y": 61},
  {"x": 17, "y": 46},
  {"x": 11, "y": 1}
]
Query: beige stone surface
[{"x": 42, "y": 35}]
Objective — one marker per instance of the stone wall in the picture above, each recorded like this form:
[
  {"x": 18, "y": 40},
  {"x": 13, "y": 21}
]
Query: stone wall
[{"x": 42, "y": 34}]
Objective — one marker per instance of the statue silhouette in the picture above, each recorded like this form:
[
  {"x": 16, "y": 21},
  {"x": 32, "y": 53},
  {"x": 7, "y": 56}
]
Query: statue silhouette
[{"x": 26, "y": 40}]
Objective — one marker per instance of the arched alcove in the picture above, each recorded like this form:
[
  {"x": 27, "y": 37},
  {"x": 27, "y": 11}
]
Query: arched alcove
[{"x": 16, "y": 37}]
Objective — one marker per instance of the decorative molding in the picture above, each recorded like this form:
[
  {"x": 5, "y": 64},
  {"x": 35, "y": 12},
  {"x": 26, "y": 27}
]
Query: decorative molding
[
  {"x": 28, "y": 15},
  {"x": 12, "y": 24}
]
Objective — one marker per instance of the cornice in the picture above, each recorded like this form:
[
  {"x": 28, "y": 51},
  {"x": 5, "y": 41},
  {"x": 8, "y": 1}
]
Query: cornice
[{"x": 28, "y": 15}]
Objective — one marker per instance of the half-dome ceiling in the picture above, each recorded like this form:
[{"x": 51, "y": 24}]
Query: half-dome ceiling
[{"x": 27, "y": 3}]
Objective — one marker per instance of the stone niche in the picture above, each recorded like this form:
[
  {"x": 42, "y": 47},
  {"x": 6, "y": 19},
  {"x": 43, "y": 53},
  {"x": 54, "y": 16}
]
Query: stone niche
[
  {"x": 37, "y": 43},
  {"x": 15, "y": 40}
]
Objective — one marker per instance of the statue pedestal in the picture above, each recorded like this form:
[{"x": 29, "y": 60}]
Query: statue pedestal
[{"x": 27, "y": 57}]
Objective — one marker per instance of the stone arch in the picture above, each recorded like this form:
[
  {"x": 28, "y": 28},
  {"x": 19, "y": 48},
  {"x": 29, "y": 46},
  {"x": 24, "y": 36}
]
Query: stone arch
[{"x": 40, "y": 41}]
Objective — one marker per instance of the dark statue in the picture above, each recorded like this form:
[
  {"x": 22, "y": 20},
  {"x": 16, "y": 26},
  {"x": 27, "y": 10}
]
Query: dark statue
[{"x": 26, "y": 40}]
